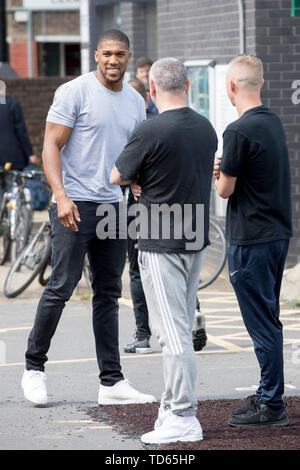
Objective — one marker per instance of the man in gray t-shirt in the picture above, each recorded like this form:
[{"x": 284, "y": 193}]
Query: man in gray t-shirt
[{"x": 88, "y": 125}]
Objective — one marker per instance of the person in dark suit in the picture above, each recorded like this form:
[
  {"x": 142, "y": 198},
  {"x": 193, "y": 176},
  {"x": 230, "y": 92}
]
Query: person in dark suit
[{"x": 15, "y": 146}]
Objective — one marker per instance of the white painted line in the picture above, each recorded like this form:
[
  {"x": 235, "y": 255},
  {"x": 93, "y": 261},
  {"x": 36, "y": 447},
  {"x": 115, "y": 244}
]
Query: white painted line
[
  {"x": 67, "y": 421},
  {"x": 99, "y": 427},
  {"x": 20, "y": 328},
  {"x": 224, "y": 344},
  {"x": 254, "y": 387},
  {"x": 244, "y": 389}
]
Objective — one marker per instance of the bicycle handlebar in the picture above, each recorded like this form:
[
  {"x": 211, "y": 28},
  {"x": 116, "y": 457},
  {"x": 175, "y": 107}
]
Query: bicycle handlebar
[{"x": 23, "y": 174}]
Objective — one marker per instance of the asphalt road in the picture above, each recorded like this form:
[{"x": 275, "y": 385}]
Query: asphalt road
[{"x": 227, "y": 367}]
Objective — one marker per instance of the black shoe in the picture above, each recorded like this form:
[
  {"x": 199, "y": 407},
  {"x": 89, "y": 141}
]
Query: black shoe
[
  {"x": 248, "y": 406},
  {"x": 140, "y": 347},
  {"x": 199, "y": 333},
  {"x": 262, "y": 415}
]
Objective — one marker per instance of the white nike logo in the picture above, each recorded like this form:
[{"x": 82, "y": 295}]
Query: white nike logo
[{"x": 231, "y": 274}]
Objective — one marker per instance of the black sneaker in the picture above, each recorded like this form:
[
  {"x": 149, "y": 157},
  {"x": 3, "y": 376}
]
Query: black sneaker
[
  {"x": 139, "y": 347},
  {"x": 262, "y": 415},
  {"x": 199, "y": 333},
  {"x": 249, "y": 405}
]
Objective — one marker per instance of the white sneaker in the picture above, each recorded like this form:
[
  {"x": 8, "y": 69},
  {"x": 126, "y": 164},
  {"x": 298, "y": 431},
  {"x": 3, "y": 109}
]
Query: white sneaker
[
  {"x": 34, "y": 386},
  {"x": 122, "y": 393},
  {"x": 162, "y": 414},
  {"x": 175, "y": 429}
]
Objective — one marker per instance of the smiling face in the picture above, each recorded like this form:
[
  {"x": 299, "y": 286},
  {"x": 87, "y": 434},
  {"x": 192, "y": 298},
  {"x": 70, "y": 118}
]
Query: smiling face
[{"x": 112, "y": 58}]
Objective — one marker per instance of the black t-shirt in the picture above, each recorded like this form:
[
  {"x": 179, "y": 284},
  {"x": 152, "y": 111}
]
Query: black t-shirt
[
  {"x": 173, "y": 154},
  {"x": 255, "y": 151}
]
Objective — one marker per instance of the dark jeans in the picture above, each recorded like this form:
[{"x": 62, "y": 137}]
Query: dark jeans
[
  {"x": 107, "y": 260},
  {"x": 137, "y": 292},
  {"x": 256, "y": 275}
]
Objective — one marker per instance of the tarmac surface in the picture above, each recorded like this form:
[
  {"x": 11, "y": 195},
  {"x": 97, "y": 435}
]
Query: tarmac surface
[{"x": 227, "y": 367}]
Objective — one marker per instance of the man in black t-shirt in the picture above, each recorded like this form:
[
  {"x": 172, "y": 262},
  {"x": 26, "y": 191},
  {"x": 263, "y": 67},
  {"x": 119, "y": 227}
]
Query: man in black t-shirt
[
  {"x": 254, "y": 174},
  {"x": 172, "y": 157}
]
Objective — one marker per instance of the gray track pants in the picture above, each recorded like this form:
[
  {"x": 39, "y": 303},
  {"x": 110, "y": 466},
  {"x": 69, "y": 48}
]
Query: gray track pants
[{"x": 170, "y": 282}]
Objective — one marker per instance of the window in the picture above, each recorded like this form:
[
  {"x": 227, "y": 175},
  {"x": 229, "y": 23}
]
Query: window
[
  {"x": 295, "y": 7},
  {"x": 59, "y": 59},
  {"x": 201, "y": 94}
]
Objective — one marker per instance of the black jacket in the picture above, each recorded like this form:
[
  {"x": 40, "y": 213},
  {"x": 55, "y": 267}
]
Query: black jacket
[{"x": 15, "y": 146}]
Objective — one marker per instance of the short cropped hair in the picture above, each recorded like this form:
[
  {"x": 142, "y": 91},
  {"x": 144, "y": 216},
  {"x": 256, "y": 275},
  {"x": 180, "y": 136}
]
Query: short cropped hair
[
  {"x": 142, "y": 62},
  {"x": 139, "y": 87},
  {"x": 114, "y": 35},
  {"x": 169, "y": 74},
  {"x": 248, "y": 70}
]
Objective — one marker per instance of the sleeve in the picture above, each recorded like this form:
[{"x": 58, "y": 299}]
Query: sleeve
[
  {"x": 65, "y": 107},
  {"x": 132, "y": 157},
  {"x": 235, "y": 151},
  {"x": 21, "y": 131}
]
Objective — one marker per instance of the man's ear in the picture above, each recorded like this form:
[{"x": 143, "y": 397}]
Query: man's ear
[
  {"x": 262, "y": 83},
  {"x": 188, "y": 84},
  {"x": 96, "y": 56},
  {"x": 152, "y": 88},
  {"x": 233, "y": 86}
]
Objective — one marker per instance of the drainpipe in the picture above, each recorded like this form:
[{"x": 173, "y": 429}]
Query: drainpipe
[
  {"x": 85, "y": 35},
  {"x": 6, "y": 70},
  {"x": 242, "y": 25},
  {"x": 29, "y": 44}
]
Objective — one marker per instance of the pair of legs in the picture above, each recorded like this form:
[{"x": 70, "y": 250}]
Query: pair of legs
[
  {"x": 140, "y": 308},
  {"x": 256, "y": 274},
  {"x": 107, "y": 260},
  {"x": 170, "y": 282}
]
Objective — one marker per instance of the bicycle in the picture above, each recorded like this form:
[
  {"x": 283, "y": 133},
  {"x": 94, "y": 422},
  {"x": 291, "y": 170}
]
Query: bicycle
[
  {"x": 34, "y": 261},
  {"x": 16, "y": 212},
  {"x": 216, "y": 255}
]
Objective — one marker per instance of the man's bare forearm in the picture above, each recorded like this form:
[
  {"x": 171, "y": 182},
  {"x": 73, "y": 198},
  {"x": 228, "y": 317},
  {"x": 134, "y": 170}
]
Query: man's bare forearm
[
  {"x": 55, "y": 138},
  {"x": 53, "y": 170}
]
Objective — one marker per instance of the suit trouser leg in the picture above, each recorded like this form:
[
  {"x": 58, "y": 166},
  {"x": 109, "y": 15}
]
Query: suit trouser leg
[
  {"x": 256, "y": 274},
  {"x": 170, "y": 281}
]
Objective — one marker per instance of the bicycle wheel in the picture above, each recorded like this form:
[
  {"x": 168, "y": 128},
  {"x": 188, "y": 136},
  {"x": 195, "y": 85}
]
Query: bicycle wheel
[
  {"x": 4, "y": 238},
  {"x": 29, "y": 263},
  {"x": 45, "y": 272},
  {"x": 215, "y": 257},
  {"x": 22, "y": 232}
]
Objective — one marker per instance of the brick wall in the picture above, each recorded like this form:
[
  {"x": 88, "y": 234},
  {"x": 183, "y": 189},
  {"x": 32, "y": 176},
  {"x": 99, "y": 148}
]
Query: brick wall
[
  {"x": 134, "y": 25},
  {"x": 277, "y": 44},
  {"x": 206, "y": 29},
  {"x": 44, "y": 23},
  {"x": 35, "y": 96},
  {"x": 193, "y": 29}
]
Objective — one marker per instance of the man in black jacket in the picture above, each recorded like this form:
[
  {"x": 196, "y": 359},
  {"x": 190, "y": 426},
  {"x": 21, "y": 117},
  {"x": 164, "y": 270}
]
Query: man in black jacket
[{"x": 15, "y": 146}]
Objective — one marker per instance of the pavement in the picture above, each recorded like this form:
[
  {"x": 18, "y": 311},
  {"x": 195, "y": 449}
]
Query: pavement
[{"x": 227, "y": 367}]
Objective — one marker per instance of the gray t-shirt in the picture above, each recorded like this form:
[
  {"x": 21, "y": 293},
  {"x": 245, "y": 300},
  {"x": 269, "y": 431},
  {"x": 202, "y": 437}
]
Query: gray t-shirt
[{"x": 102, "y": 122}]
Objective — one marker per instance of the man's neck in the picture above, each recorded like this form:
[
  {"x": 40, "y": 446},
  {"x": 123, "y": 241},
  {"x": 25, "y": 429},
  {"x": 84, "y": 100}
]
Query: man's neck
[
  {"x": 246, "y": 104},
  {"x": 169, "y": 104}
]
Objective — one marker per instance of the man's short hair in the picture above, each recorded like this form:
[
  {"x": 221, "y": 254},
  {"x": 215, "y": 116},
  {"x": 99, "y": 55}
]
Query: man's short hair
[
  {"x": 139, "y": 87},
  {"x": 142, "y": 62},
  {"x": 169, "y": 75},
  {"x": 114, "y": 35},
  {"x": 247, "y": 69}
]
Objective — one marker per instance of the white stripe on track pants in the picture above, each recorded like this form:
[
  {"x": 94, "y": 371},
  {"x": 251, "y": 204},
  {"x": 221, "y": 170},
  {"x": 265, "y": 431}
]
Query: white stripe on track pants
[{"x": 170, "y": 282}]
